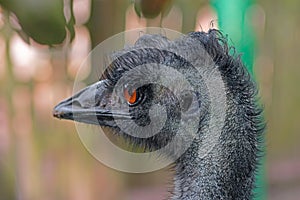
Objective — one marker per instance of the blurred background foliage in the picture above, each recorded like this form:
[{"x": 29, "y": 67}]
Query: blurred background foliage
[{"x": 43, "y": 43}]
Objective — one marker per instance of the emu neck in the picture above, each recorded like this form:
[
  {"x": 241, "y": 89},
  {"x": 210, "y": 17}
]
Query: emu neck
[{"x": 226, "y": 172}]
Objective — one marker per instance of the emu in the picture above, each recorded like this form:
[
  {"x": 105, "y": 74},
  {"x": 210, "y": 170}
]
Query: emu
[{"x": 227, "y": 171}]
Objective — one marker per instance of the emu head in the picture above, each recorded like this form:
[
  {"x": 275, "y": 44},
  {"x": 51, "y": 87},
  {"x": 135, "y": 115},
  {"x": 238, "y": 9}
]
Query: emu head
[{"x": 148, "y": 92}]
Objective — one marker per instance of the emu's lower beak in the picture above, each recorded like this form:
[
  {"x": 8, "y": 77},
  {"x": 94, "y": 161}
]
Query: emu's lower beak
[{"x": 91, "y": 105}]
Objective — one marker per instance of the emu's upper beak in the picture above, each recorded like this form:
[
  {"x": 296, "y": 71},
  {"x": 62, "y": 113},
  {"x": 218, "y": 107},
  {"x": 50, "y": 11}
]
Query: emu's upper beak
[{"x": 91, "y": 105}]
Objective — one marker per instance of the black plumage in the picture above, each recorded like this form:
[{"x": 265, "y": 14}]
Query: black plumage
[{"x": 228, "y": 170}]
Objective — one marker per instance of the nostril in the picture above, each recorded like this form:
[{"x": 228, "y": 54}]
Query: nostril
[{"x": 76, "y": 103}]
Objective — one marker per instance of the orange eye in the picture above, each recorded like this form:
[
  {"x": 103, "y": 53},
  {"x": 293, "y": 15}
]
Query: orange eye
[{"x": 131, "y": 98}]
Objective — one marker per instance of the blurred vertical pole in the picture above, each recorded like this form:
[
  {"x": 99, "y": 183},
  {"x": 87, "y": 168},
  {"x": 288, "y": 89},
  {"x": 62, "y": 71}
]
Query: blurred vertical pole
[
  {"x": 8, "y": 189},
  {"x": 107, "y": 18},
  {"x": 232, "y": 20},
  {"x": 189, "y": 12}
]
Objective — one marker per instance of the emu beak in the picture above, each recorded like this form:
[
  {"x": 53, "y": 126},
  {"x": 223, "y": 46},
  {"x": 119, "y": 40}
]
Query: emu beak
[{"x": 91, "y": 105}]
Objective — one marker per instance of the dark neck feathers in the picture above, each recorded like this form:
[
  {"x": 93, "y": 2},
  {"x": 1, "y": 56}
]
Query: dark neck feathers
[{"x": 228, "y": 171}]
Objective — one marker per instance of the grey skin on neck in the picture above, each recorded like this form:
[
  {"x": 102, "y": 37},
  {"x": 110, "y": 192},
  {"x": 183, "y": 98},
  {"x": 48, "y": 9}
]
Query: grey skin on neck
[{"x": 227, "y": 170}]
